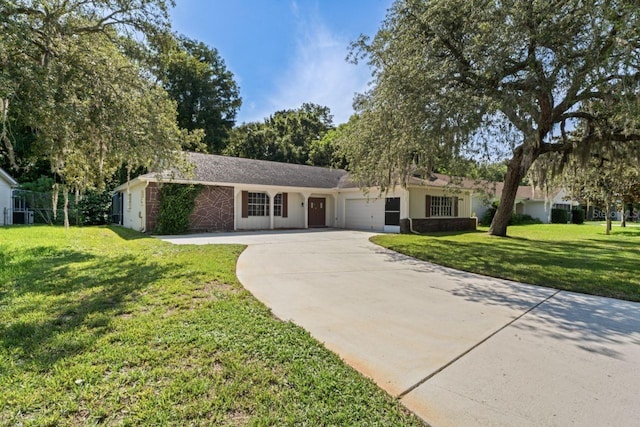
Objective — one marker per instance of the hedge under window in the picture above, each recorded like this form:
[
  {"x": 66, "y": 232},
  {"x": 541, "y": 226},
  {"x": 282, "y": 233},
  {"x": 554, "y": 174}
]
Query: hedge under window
[{"x": 259, "y": 204}]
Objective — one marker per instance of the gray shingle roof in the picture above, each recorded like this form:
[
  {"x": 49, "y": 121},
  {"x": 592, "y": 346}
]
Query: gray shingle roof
[{"x": 235, "y": 170}]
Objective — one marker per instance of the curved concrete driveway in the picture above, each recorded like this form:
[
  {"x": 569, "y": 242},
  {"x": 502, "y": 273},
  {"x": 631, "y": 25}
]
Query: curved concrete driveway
[{"x": 457, "y": 348}]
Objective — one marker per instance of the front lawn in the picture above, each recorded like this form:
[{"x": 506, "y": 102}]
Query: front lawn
[
  {"x": 578, "y": 258},
  {"x": 105, "y": 325}
]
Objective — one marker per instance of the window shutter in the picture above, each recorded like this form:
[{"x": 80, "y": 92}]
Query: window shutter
[
  {"x": 285, "y": 205},
  {"x": 427, "y": 209},
  {"x": 455, "y": 206},
  {"x": 245, "y": 204}
]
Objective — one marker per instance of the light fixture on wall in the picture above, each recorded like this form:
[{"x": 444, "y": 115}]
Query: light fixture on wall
[{"x": 302, "y": 204}]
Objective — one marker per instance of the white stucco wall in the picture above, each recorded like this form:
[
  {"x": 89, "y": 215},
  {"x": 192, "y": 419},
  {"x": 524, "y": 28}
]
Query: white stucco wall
[
  {"x": 295, "y": 212},
  {"x": 479, "y": 206},
  {"x": 133, "y": 211},
  {"x": 418, "y": 204},
  {"x": 537, "y": 209},
  {"x": 5, "y": 203}
]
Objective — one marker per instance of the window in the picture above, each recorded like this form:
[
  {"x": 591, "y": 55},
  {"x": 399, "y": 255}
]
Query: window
[
  {"x": 565, "y": 206},
  {"x": 441, "y": 206},
  {"x": 392, "y": 211},
  {"x": 277, "y": 205},
  {"x": 258, "y": 204}
]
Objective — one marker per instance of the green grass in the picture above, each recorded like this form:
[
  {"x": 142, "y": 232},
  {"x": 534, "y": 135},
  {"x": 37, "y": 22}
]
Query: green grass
[
  {"x": 107, "y": 326},
  {"x": 578, "y": 258}
]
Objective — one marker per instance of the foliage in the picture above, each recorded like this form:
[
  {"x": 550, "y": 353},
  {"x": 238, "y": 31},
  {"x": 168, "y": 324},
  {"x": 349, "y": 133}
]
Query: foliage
[
  {"x": 90, "y": 108},
  {"x": 559, "y": 216},
  {"x": 177, "y": 202},
  {"x": 487, "y": 217},
  {"x": 538, "y": 254},
  {"x": 94, "y": 207},
  {"x": 290, "y": 136},
  {"x": 458, "y": 77},
  {"x": 523, "y": 219},
  {"x": 516, "y": 219},
  {"x": 605, "y": 177},
  {"x": 577, "y": 216},
  {"x": 105, "y": 326},
  {"x": 196, "y": 78}
]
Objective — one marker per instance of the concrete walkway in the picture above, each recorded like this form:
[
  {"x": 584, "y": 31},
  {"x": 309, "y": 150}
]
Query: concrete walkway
[{"x": 458, "y": 349}]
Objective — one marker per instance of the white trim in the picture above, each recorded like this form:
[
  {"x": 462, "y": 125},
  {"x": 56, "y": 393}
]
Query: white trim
[{"x": 12, "y": 182}]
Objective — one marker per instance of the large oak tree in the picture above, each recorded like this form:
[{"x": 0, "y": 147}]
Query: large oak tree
[
  {"x": 447, "y": 73},
  {"x": 66, "y": 80}
]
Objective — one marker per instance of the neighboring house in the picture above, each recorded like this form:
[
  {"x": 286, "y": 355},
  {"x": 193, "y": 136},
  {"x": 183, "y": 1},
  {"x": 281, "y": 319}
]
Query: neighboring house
[
  {"x": 529, "y": 200},
  {"x": 246, "y": 194},
  {"x": 7, "y": 183}
]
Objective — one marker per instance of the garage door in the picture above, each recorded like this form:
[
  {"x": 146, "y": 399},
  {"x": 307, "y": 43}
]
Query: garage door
[{"x": 363, "y": 214}]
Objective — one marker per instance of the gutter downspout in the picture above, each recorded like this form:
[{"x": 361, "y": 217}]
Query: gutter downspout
[{"x": 411, "y": 227}]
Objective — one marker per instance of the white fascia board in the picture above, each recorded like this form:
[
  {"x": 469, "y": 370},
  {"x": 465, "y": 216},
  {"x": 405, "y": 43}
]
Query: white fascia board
[
  {"x": 132, "y": 183},
  {"x": 12, "y": 182},
  {"x": 248, "y": 187}
]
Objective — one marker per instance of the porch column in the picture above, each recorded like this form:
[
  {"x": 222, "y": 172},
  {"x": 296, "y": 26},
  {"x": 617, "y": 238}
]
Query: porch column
[
  {"x": 272, "y": 195},
  {"x": 305, "y": 205}
]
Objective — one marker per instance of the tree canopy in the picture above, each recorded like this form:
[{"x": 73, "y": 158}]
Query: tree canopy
[
  {"x": 196, "y": 78},
  {"x": 88, "y": 107},
  {"x": 290, "y": 136},
  {"x": 452, "y": 78}
]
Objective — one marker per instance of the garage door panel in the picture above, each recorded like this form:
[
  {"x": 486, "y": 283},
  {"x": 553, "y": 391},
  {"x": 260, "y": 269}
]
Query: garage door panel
[{"x": 364, "y": 214}]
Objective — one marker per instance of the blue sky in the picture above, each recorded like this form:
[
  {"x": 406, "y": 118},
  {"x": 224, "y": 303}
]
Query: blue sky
[{"x": 286, "y": 52}]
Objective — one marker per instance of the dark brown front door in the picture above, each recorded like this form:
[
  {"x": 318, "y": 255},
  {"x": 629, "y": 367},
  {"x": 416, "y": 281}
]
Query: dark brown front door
[{"x": 317, "y": 211}]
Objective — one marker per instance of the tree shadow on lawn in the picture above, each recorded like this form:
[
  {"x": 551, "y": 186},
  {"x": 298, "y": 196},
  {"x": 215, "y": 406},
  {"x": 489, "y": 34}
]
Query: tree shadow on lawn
[
  {"x": 61, "y": 304},
  {"x": 595, "y": 324},
  {"x": 127, "y": 233},
  {"x": 570, "y": 266}
]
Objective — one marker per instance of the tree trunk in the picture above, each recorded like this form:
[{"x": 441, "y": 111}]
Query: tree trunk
[
  {"x": 54, "y": 201},
  {"x": 516, "y": 170},
  {"x": 608, "y": 215},
  {"x": 65, "y": 208},
  {"x": 623, "y": 217}
]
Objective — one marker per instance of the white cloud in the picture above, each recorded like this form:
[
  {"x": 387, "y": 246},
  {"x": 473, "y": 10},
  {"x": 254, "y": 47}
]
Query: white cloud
[{"x": 318, "y": 72}]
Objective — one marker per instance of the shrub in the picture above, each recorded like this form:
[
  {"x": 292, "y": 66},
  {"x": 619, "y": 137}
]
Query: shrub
[
  {"x": 516, "y": 219},
  {"x": 176, "y": 204},
  {"x": 521, "y": 219},
  {"x": 489, "y": 214},
  {"x": 95, "y": 208},
  {"x": 559, "y": 216},
  {"x": 577, "y": 216}
]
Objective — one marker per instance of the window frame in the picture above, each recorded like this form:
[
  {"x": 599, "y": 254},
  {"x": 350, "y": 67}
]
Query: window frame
[
  {"x": 277, "y": 205},
  {"x": 441, "y": 207},
  {"x": 257, "y": 204}
]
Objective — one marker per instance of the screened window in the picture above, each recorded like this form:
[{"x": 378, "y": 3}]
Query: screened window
[
  {"x": 441, "y": 206},
  {"x": 392, "y": 211},
  {"x": 277, "y": 205},
  {"x": 258, "y": 204}
]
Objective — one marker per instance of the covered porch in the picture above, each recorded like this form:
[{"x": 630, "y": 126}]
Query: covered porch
[{"x": 259, "y": 208}]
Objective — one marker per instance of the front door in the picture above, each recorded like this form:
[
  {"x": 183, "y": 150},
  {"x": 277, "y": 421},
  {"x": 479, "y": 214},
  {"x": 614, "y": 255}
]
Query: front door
[{"x": 317, "y": 211}]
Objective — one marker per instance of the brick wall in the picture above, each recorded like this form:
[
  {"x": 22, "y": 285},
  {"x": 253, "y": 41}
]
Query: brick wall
[
  {"x": 213, "y": 210},
  {"x": 430, "y": 225}
]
